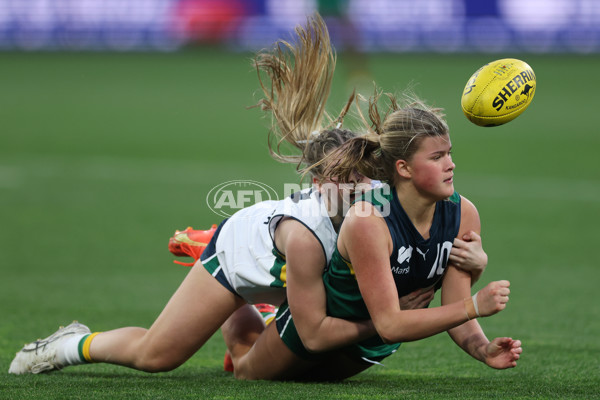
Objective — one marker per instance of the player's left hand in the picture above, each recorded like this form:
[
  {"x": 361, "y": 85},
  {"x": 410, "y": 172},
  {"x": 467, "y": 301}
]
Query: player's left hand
[
  {"x": 468, "y": 255},
  {"x": 503, "y": 353}
]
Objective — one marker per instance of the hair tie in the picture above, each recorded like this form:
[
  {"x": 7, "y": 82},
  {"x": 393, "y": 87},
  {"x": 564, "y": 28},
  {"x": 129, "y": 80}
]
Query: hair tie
[{"x": 313, "y": 135}]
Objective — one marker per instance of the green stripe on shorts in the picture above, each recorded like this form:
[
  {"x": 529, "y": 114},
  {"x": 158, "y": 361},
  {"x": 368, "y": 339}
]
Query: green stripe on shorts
[{"x": 212, "y": 264}]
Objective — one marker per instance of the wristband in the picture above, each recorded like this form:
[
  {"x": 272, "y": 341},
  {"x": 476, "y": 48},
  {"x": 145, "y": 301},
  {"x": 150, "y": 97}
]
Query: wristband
[
  {"x": 470, "y": 308},
  {"x": 475, "y": 304}
]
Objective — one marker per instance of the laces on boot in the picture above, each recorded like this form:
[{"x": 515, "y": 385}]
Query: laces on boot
[{"x": 190, "y": 243}]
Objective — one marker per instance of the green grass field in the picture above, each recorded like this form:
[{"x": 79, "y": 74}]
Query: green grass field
[{"x": 103, "y": 156}]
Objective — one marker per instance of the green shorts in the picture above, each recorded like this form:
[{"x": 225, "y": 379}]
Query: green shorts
[{"x": 371, "y": 350}]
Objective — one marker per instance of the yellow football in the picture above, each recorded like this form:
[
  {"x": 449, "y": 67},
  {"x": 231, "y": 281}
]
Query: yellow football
[{"x": 498, "y": 92}]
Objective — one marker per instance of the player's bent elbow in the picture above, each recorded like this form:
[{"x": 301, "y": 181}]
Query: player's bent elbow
[
  {"x": 389, "y": 339},
  {"x": 313, "y": 344},
  {"x": 398, "y": 337},
  {"x": 393, "y": 333},
  {"x": 389, "y": 336}
]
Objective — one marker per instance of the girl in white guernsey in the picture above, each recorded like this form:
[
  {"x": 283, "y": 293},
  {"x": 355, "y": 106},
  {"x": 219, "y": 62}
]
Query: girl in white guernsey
[
  {"x": 241, "y": 255},
  {"x": 254, "y": 253}
]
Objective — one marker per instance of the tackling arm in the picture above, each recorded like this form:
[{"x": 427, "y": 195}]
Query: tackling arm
[
  {"x": 467, "y": 252},
  {"x": 306, "y": 293}
]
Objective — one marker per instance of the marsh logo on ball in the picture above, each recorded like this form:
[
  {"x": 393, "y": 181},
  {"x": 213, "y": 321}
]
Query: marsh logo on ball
[{"x": 229, "y": 197}]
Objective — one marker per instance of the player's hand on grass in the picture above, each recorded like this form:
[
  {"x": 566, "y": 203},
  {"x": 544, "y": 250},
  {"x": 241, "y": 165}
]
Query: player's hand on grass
[
  {"x": 492, "y": 298},
  {"x": 503, "y": 353},
  {"x": 467, "y": 254},
  {"x": 417, "y": 299}
]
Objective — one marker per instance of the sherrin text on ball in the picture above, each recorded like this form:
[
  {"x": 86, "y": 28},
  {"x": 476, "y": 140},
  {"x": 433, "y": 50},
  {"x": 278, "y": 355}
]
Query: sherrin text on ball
[{"x": 498, "y": 92}]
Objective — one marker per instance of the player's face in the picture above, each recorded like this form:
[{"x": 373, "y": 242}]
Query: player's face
[
  {"x": 340, "y": 196},
  {"x": 357, "y": 186},
  {"x": 432, "y": 169}
]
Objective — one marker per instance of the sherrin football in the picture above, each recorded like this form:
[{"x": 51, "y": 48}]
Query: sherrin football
[{"x": 498, "y": 92}]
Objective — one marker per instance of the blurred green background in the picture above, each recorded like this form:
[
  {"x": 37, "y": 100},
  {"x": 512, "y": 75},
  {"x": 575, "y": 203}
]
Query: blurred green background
[{"x": 103, "y": 156}]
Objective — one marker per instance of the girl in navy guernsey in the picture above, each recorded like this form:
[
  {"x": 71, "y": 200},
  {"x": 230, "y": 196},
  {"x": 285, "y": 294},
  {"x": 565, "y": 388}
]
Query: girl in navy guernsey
[
  {"x": 260, "y": 254},
  {"x": 394, "y": 243},
  {"x": 411, "y": 228}
]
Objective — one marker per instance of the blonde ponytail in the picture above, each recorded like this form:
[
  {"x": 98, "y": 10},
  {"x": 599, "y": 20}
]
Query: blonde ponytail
[
  {"x": 361, "y": 154},
  {"x": 296, "y": 88},
  {"x": 395, "y": 134}
]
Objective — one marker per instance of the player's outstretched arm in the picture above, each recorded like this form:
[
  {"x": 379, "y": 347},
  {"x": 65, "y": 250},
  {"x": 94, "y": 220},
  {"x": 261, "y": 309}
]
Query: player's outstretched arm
[
  {"x": 500, "y": 353},
  {"x": 360, "y": 239}
]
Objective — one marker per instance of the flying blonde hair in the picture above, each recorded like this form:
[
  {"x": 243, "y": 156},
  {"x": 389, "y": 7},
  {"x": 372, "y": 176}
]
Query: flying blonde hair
[{"x": 296, "y": 88}]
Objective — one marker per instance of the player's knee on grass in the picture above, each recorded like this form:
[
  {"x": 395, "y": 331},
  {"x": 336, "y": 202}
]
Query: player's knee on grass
[{"x": 154, "y": 360}]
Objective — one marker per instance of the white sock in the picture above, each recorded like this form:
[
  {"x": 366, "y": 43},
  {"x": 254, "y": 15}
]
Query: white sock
[{"x": 68, "y": 354}]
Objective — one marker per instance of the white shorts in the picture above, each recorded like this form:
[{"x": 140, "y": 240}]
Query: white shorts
[{"x": 244, "y": 250}]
